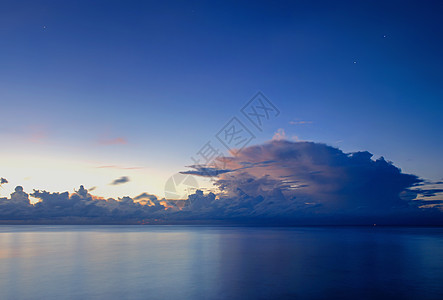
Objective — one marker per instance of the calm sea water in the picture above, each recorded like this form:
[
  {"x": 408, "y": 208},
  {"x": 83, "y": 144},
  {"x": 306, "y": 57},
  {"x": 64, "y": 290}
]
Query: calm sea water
[{"x": 194, "y": 262}]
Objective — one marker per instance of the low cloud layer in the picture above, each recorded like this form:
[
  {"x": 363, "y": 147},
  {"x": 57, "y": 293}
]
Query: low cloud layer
[
  {"x": 79, "y": 207},
  {"x": 277, "y": 183}
]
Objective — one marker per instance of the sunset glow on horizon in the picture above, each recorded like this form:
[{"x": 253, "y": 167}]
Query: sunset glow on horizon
[{"x": 144, "y": 98}]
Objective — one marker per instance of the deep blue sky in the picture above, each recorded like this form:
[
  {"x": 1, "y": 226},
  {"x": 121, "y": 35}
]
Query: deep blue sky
[{"x": 77, "y": 76}]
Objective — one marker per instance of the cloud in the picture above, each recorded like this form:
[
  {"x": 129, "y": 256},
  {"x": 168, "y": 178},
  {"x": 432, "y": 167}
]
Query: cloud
[
  {"x": 279, "y": 135},
  {"x": 146, "y": 198},
  {"x": 300, "y": 122},
  {"x": 17, "y": 207},
  {"x": 119, "y": 167},
  {"x": 277, "y": 183},
  {"x": 38, "y": 133},
  {"x": 313, "y": 183},
  {"x": 114, "y": 141},
  {"x": 78, "y": 208},
  {"x": 429, "y": 192},
  {"x": 121, "y": 180},
  {"x": 205, "y": 171},
  {"x": 319, "y": 174}
]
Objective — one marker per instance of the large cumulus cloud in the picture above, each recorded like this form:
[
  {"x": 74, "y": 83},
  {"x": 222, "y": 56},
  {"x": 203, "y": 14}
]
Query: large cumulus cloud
[
  {"x": 313, "y": 183},
  {"x": 313, "y": 174}
]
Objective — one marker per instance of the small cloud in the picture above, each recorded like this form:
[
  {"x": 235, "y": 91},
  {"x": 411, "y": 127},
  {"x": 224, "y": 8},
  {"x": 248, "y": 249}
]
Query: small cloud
[
  {"x": 300, "y": 122},
  {"x": 428, "y": 190},
  {"x": 114, "y": 141},
  {"x": 37, "y": 133},
  {"x": 146, "y": 199},
  {"x": 3, "y": 181},
  {"x": 121, "y": 180},
  {"x": 146, "y": 196},
  {"x": 279, "y": 135},
  {"x": 119, "y": 167},
  {"x": 205, "y": 171},
  {"x": 296, "y": 138}
]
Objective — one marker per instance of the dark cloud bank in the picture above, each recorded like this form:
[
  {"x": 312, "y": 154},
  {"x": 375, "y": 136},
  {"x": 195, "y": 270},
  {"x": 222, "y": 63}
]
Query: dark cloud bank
[{"x": 277, "y": 183}]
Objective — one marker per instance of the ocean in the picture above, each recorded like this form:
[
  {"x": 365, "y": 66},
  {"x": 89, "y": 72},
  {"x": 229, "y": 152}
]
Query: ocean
[{"x": 216, "y": 262}]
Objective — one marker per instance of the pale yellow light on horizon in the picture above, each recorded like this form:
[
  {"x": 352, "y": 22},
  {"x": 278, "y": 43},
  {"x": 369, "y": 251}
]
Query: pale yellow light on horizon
[{"x": 58, "y": 174}]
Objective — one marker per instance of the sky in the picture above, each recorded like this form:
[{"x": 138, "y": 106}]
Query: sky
[{"x": 120, "y": 96}]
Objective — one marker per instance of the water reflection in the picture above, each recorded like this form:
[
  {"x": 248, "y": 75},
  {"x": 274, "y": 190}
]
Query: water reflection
[{"x": 192, "y": 262}]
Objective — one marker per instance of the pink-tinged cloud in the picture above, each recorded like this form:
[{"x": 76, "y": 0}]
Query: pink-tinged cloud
[
  {"x": 280, "y": 134},
  {"x": 119, "y": 167},
  {"x": 114, "y": 141},
  {"x": 37, "y": 134},
  {"x": 300, "y": 122}
]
